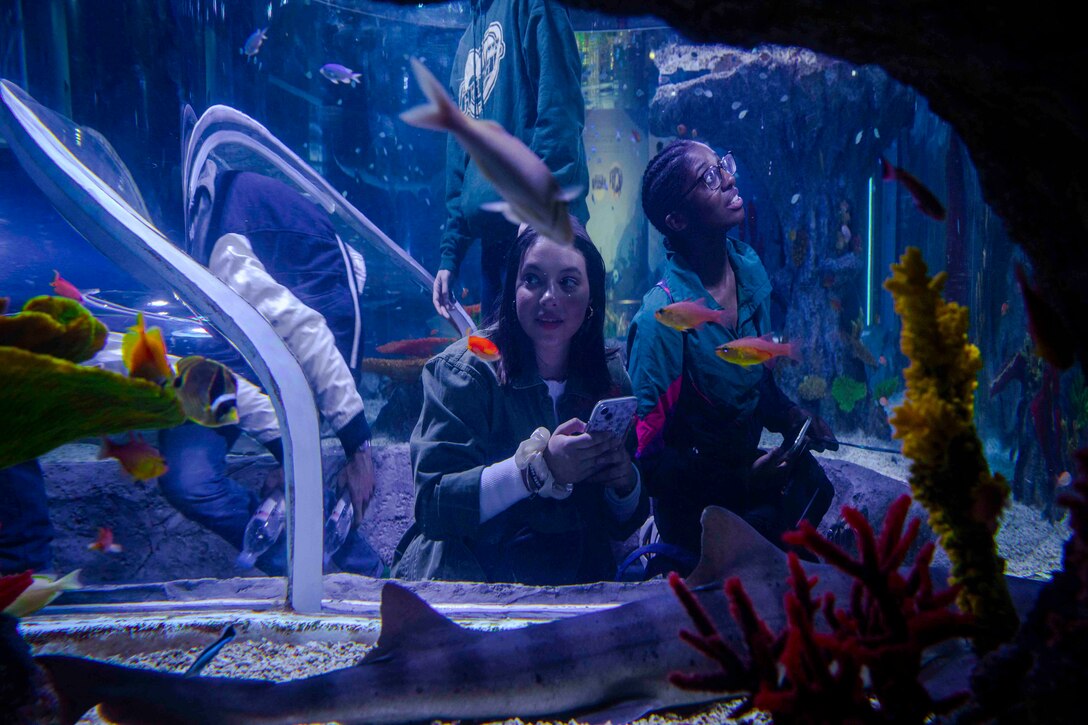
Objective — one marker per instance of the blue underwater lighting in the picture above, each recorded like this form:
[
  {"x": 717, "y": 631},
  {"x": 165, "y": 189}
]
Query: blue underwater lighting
[{"x": 869, "y": 259}]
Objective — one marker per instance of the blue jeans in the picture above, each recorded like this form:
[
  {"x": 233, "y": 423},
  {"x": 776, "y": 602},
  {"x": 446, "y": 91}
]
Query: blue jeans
[
  {"x": 198, "y": 486},
  {"x": 26, "y": 535}
]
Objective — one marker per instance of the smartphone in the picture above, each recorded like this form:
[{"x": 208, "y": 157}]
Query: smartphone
[
  {"x": 799, "y": 442},
  {"x": 613, "y": 415}
]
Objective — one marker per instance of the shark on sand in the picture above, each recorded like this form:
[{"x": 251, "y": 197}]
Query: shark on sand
[{"x": 603, "y": 666}]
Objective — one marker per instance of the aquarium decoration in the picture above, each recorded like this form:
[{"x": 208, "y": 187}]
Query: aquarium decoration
[
  {"x": 949, "y": 475},
  {"x": 812, "y": 387},
  {"x": 1040, "y": 676},
  {"x": 55, "y": 326},
  {"x": 50, "y": 399},
  {"x": 847, "y": 392},
  {"x": 864, "y": 666},
  {"x": 886, "y": 388}
]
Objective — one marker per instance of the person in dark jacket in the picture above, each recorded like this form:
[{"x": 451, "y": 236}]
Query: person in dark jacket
[
  {"x": 508, "y": 486},
  {"x": 700, "y": 418},
  {"x": 517, "y": 64}
]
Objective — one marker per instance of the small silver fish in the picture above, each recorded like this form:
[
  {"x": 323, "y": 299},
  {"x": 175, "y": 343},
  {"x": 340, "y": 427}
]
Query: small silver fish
[
  {"x": 531, "y": 193},
  {"x": 339, "y": 74},
  {"x": 253, "y": 43}
]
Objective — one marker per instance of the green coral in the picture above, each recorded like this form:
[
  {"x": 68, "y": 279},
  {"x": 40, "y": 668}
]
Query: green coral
[
  {"x": 886, "y": 388},
  {"x": 847, "y": 392},
  {"x": 812, "y": 387},
  {"x": 949, "y": 474},
  {"x": 55, "y": 326},
  {"x": 48, "y": 402}
]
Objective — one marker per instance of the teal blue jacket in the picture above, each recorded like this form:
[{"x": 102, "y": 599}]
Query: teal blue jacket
[
  {"x": 531, "y": 86},
  {"x": 689, "y": 399},
  {"x": 468, "y": 422}
]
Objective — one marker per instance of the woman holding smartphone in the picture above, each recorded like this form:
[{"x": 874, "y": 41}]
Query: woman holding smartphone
[{"x": 509, "y": 486}]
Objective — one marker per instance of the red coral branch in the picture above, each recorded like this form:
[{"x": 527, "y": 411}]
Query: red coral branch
[{"x": 864, "y": 665}]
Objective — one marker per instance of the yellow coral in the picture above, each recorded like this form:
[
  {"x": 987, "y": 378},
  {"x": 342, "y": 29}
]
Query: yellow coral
[{"x": 949, "y": 474}]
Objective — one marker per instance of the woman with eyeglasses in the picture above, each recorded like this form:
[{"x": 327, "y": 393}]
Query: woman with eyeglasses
[{"x": 700, "y": 417}]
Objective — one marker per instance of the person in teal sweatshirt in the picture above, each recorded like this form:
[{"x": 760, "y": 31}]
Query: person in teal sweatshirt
[
  {"x": 517, "y": 64},
  {"x": 700, "y": 417}
]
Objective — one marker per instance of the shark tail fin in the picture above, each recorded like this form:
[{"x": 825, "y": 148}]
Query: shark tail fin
[
  {"x": 76, "y": 683},
  {"x": 440, "y": 113}
]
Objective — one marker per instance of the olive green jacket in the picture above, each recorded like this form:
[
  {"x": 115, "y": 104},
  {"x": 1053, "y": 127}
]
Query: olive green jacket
[{"x": 468, "y": 422}]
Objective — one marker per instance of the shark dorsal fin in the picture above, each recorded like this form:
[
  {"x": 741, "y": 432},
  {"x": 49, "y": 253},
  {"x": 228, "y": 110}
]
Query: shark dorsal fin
[
  {"x": 731, "y": 545},
  {"x": 409, "y": 622}
]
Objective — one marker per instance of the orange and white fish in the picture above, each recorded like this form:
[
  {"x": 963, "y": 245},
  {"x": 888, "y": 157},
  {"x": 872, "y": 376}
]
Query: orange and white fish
[
  {"x": 64, "y": 288},
  {"x": 483, "y": 348},
  {"x": 144, "y": 353},
  {"x": 140, "y": 460},
  {"x": 755, "y": 350},
  {"x": 531, "y": 193},
  {"x": 105, "y": 542},
  {"x": 687, "y": 315}
]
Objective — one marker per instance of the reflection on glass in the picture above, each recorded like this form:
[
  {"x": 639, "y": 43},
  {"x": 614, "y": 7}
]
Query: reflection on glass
[{"x": 808, "y": 131}]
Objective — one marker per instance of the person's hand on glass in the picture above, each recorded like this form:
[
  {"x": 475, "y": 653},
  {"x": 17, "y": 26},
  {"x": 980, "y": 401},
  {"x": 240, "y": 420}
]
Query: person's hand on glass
[
  {"x": 273, "y": 481},
  {"x": 440, "y": 293},
  {"x": 358, "y": 478},
  {"x": 573, "y": 455}
]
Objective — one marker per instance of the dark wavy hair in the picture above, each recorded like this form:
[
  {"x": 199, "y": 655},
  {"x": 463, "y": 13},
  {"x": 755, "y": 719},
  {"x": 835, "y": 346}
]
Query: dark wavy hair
[
  {"x": 662, "y": 185},
  {"x": 587, "y": 358}
]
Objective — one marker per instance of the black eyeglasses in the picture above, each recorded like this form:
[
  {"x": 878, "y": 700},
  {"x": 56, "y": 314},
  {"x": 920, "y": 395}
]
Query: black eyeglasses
[{"x": 712, "y": 177}]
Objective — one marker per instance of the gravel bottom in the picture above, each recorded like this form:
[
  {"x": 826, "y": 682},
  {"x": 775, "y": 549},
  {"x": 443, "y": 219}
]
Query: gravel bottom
[{"x": 1031, "y": 546}]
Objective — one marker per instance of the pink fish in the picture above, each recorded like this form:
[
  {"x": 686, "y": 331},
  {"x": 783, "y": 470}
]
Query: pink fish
[
  {"x": 923, "y": 198},
  {"x": 754, "y": 350},
  {"x": 687, "y": 315},
  {"x": 64, "y": 288}
]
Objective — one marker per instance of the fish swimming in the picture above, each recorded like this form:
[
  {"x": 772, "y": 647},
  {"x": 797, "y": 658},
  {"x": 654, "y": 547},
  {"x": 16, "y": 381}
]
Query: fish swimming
[
  {"x": 207, "y": 391},
  {"x": 1053, "y": 343},
  {"x": 923, "y": 198},
  {"x": 406, "y": 370},
  {"x": 483, "y": 348},
  {"x": 64, "y": 288},
  {"x": 420, "y": 347},
  {"x": 686, "y": 315},
  {"x": 43, "y": 589},
  {"x": 253, "y": 43},
  {"x": 607, "y": 665},
  {"x": 12, "y": 585},
  {"x": 144, "y": 353},
  {"x": 531, "y": 193},
  {"x": 140, "y": 460},
  {"x": 225, "y": 637},
  {"x": 755, "y": 350},
  {"x": 104, "y": 542},
  {"x": 339, "y": 74}
]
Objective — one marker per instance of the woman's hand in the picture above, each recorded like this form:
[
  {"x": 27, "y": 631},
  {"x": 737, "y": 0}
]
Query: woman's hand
[
  {"x": 770, "y": 469},
  {"x": 573, "y": 455},
  {"x": 617, "y": 472}
]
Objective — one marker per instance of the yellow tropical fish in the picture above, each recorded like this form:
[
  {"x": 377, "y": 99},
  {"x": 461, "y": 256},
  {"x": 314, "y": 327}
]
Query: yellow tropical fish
[
  {"x": 207, "y": 391},
  {"x": 140, "y": 460},
  {"x": 755, "y": 350},
  {"x": 45, "y": 589},
  {"x": 686, "y": 315},
  {"x": 144, "y": 353}
]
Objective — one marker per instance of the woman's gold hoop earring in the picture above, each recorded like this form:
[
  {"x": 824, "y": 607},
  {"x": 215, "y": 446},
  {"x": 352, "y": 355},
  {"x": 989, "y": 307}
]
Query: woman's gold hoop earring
[{"x": 589, "y": 312}]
